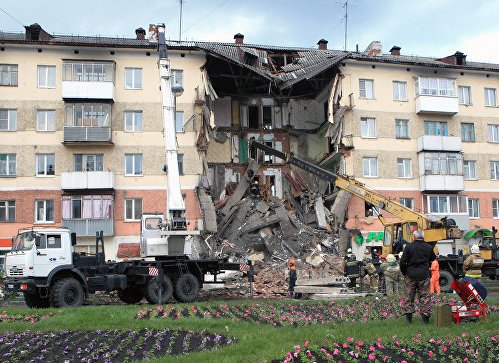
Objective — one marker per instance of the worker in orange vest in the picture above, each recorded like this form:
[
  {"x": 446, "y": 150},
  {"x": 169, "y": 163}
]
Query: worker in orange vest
[
  {"x": 435, "y": 276},
  {"x": 292, "y": 278}
]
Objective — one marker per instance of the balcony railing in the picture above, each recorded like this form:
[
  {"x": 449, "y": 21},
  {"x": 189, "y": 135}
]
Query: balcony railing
[
  {"x": 75, "y": 90},
  {"x": 78, "y": 180},
  {"x": 87, "y": 134},
  {"x": 88, "y": 227},
  {"x": 439, "y": 143},
  {"x": 445, "y": 183}
]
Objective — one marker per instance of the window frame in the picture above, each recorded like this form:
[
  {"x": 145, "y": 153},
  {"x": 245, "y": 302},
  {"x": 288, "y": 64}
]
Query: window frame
[
  {"x": 91, "y": 115},
  {"x": 369, "y": 128},
  {"x": 175, "y": 77},
  {"x": 464, "y": 132},
  {"x": 404, "y": 201},
  {"x": 45, "y": 209},
  {"x": 45, "y": 166},
  {"x": 46, "y": 120},
  {"x": 474, "y": 208},
  {"x": 365, "y": 89},
  {"x": 462, "y": 95},
  {"x": 8, "y": 165},
  {"x": 179, "y": 115},
  {"x": 49, "y": 83},
  {"x": 81, "y": 165},
  {"x": 396, "y": 88},
  {"x": 134, "y": 218},
  {"x": 469, "y": 165},
  {"x": 401, "y": 162},
  {"x": 369, "y": 159},
  {"x": 11, "y": 119},
  {"x": 493, "y": 133},
  {"x": 494, "y": 170},
  {"x": 495, "y": 208},
  {"x": 11, "y": 75},
  {"x": 398, "y": 128},
  {"x": 134, "y": 157},
  {"x": 488, "y": 92},
  {"x": 10, "y": 210},
  {"x": 134, "y": 121},
  {"x": 440, "y": 123},
  {"x": 131, "y": 71}
]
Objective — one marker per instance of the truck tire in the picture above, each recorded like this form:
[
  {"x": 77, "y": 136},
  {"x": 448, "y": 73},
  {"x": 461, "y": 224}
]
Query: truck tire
[
  {"x": 186, "y": 288},
  {"x": 445, "y": 280},
  {"x": 152, "y": 290},
  {"x": 67, "y": 293},
  {"x": 131, "y": 295},
  {"x": 36, "y": 302}
]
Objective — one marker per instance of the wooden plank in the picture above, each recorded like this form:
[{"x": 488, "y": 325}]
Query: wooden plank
[{"x": 325, "y": 281}]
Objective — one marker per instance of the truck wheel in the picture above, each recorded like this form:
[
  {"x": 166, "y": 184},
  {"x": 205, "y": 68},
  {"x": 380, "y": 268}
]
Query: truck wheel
[
  {"x": 445, "y": 280},
  {"x": 130, "y": 295},
  {"x": 67, "y": 293},
  {"x": 186, "y": 288},
  {"x": 152, "y": 290},
  {"x": 36, "y": 302}
]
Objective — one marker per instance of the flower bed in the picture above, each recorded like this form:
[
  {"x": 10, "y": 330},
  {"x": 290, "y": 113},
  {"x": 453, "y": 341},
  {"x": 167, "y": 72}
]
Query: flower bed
[
  {"x": 105, "y": 346},
  {"x": 33, "y": 318},
  {"x": 461, "y": 348},
  {"x": 360, "y": 310}
]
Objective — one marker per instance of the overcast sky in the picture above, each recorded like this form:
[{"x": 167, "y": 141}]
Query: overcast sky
[{"x": 435, "y": 28}]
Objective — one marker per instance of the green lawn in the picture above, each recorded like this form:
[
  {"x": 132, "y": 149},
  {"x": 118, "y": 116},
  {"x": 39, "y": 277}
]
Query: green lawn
[{"x": 256, "y": 342}]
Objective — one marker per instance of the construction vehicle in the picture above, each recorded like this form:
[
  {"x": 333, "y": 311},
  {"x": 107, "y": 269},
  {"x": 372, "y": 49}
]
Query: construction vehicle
[
  {"x": 435, "y": 229},
  {"x": 490, "y": 253},
  {"x": 44, "y": 267}
]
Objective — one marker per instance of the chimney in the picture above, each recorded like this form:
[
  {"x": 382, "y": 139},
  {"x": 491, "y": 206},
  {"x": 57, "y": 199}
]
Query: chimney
[
  {"x": 140, "y": 33},
  {"x": 322, "y": 44},
  {"x": 373, "y": 49},
  {"x": 239, "y": 38},
  {"x": 460, "y": 58},
  {"x": 395, "y": 50}
]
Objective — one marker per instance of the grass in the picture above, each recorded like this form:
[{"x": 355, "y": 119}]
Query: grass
[{"x": 256, "y": 342}]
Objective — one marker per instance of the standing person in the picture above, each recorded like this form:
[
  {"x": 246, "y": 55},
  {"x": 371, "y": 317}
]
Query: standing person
[
  {"x": 415, "y": 266},
  {"x": 435, "y": 276},
  {"x": 381, "y": 273},
  {"x": 392, "y": 275},
  {"x": 473, "y": 263},
  {"x": 370, "y": 272},
  {"x": 292, "y": 278}
]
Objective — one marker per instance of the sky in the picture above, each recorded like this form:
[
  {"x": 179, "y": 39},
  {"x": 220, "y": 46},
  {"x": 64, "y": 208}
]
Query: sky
[{"x": 434, "y": 28}]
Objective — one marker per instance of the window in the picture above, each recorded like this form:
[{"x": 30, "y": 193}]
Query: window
[
  {"x": 45, "y": 164},
  {"x": 45, "y": 120},
  {"x": 370, "y": 167},
  {"x": 468, "y": 132},
  {"x": 366, "y": 88},
  {"x": 495, "y": 208},
  {"x": 46, "y": 76},
  {"x": 179, "y": 121},
  {"x": 431, "y": 86},
  {"x": 44, "y": 211},
  {"x": 490, "y": 97},
  {"x": 177, "y": 77},
  {"x": 436, "y": 128},
  {"x": 267, "y": 117},
  {"x": 8, "y": 120},
  {"x": 133, "y": 121},
  {"x": 87, "y": 207},
  {"x": 464, "y": 93},
  {"x": 133, "y": 78},
  {"x": 402, "y": 129},
  {"x": 493, "y": 133},
  {"x": 443, "y": 164},
  {"x": 494, "y": 170},
  {"x": 408, "y": 202},
  {"x": 7, "y": 211},
  {"x": 399, "y": 91},
  {"x": 447, "y": 204},
  {"x": 253, "y": 117},
  {"x": 7, "y": 165},
  {"x": 51, "y": 241},
  {"x": 474, "y": 208},
  {"x": 89, "y": 71},
  {"x": 88, "y": 114},
  {"x": 367, "y": 127},
  {"x": 469, "y": 168},
  {"x": 133, "y": 164},
  {"x": 404, "y": 168},
  {"x": 8, "y": 74},
  {"x": 180, "y": 161},
  {"x": 133, "y": 209},
  {"x": 88, "y": 162}
]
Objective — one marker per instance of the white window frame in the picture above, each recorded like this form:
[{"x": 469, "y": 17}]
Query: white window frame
[
  {"x": 9, "y": 116},
  {"x": 177, "y": 77},
  {"x": 135, "y": 118},
  {"x": 494, "y": 170},
  {"x": 135, "y": 158},
  {"x": 44, "y": 218},
  {"x": 443, "y": 128},
  {"x": 366, "y": 88},
  {"x": 490, "y": 97},
  {"x": 370, "y": 167},
  {"x": 87, "y": 115},
  {"x": 405, "y": 166},
  {"x": 9, "y": 75},
  {"x": 133, "y": 72},
  {"x": 45, "y": 120},
  {"x": 9, "y": 209},
  {"x": 445, "y": 203},
  {"x": 495, "y": 208},
  {"x": 179, "y": 121},
  {"x": 10, "y": 165},
  {"x": 133, "y": 202},
  {"x": 368, "y": 127},
  {"x": 493, "y": 133},
  {"x": 469, "y": 170},
  {"x": 467, "y": 130},
  {"x": 45, "y": 165},
  {"x": 400, "y": 125},
  {"x": 474, "y": 208},
  {"x": 97, "y": 159},
  {"x": 464, "y": 95},
  {"x": 47, "y": 74},
  {"x": 408, "y": 202},
  {"x": 399, "y": 90},
  {"x": 436, "y": 86}
]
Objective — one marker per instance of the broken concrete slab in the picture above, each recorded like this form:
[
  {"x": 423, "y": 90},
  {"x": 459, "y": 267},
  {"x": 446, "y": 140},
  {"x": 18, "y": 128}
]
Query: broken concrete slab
[
  {"x": 256, "y": 256},
  {"x": 340, "y": 205},
  {"x": 242, "y": 187},
  {"x": 314, "y": 260},
  {"x": 320, "y": 214}
]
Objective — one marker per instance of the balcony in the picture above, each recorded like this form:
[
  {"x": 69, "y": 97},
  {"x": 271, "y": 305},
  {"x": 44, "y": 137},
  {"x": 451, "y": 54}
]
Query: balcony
[
  {"x": 437, "y": 104},
  {"x": 450, "y": 183},
  {"x": 88, "y": 80},
  {"x": 80, "y": 180},
  {"x": 92, "y": 134},
  {"x": 436, "y": 95},
  {"x": 88, "y": 227},
  {"x": 75, "y": 90},
  {"x": 439, "y": 143}
]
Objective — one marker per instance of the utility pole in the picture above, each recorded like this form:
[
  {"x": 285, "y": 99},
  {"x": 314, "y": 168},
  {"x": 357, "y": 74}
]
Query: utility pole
[
  {"x": 346, "y": 23},
  {"x": 180, "y": 22}
]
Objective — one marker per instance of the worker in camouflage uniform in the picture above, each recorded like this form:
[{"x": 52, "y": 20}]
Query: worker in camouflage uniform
[
  {"x": 381, "y": 273},
  {"x": 370, "y": 271},
  {"x": 415, "y": 266},
  {"x": 392, "y": 274},
  {"x": 473, "y": 263}
]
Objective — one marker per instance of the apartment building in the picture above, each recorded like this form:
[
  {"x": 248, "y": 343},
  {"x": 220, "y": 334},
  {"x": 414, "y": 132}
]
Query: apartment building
[
  {"x": 81, "y": 134},
  {"x": 423, "y": 131}
]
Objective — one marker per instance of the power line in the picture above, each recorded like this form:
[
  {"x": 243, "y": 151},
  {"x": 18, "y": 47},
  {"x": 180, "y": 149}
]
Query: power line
[
  {"x": 12, "y": 17},
  {"x": 204, "y": 17}
]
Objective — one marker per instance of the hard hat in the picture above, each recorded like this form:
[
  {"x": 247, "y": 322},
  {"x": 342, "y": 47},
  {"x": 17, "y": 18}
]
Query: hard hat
[
  {"x": 475, "y": 249},
  {"x": 292, "y": 262},
  {"x": 366, "y": 252},
  {"x": 383, "y": 257},
  {"x": 349, "y": 250},
  {"x": 418, "y": 234},
  {"x": 390, "y": 258}
]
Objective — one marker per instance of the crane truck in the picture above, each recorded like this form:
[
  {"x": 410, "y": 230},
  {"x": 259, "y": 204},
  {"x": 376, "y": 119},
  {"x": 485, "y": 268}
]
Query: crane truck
[
  {"x": 435, "y": 229},
  {"x": 44, "y": 267}
]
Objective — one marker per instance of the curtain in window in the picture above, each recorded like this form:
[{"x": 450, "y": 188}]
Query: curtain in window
[
  {"x": 97, "y": 208},
  {"x": 87, "y": 207},
  {"x": 66, "y": 208},
  {"x": 107, "y": 205}
]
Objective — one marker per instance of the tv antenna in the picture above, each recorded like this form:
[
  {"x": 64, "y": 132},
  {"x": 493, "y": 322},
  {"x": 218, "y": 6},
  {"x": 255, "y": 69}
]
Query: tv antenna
[
  {"x": 180, "y": 22},
  {"x": 346, "y": 23}
]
